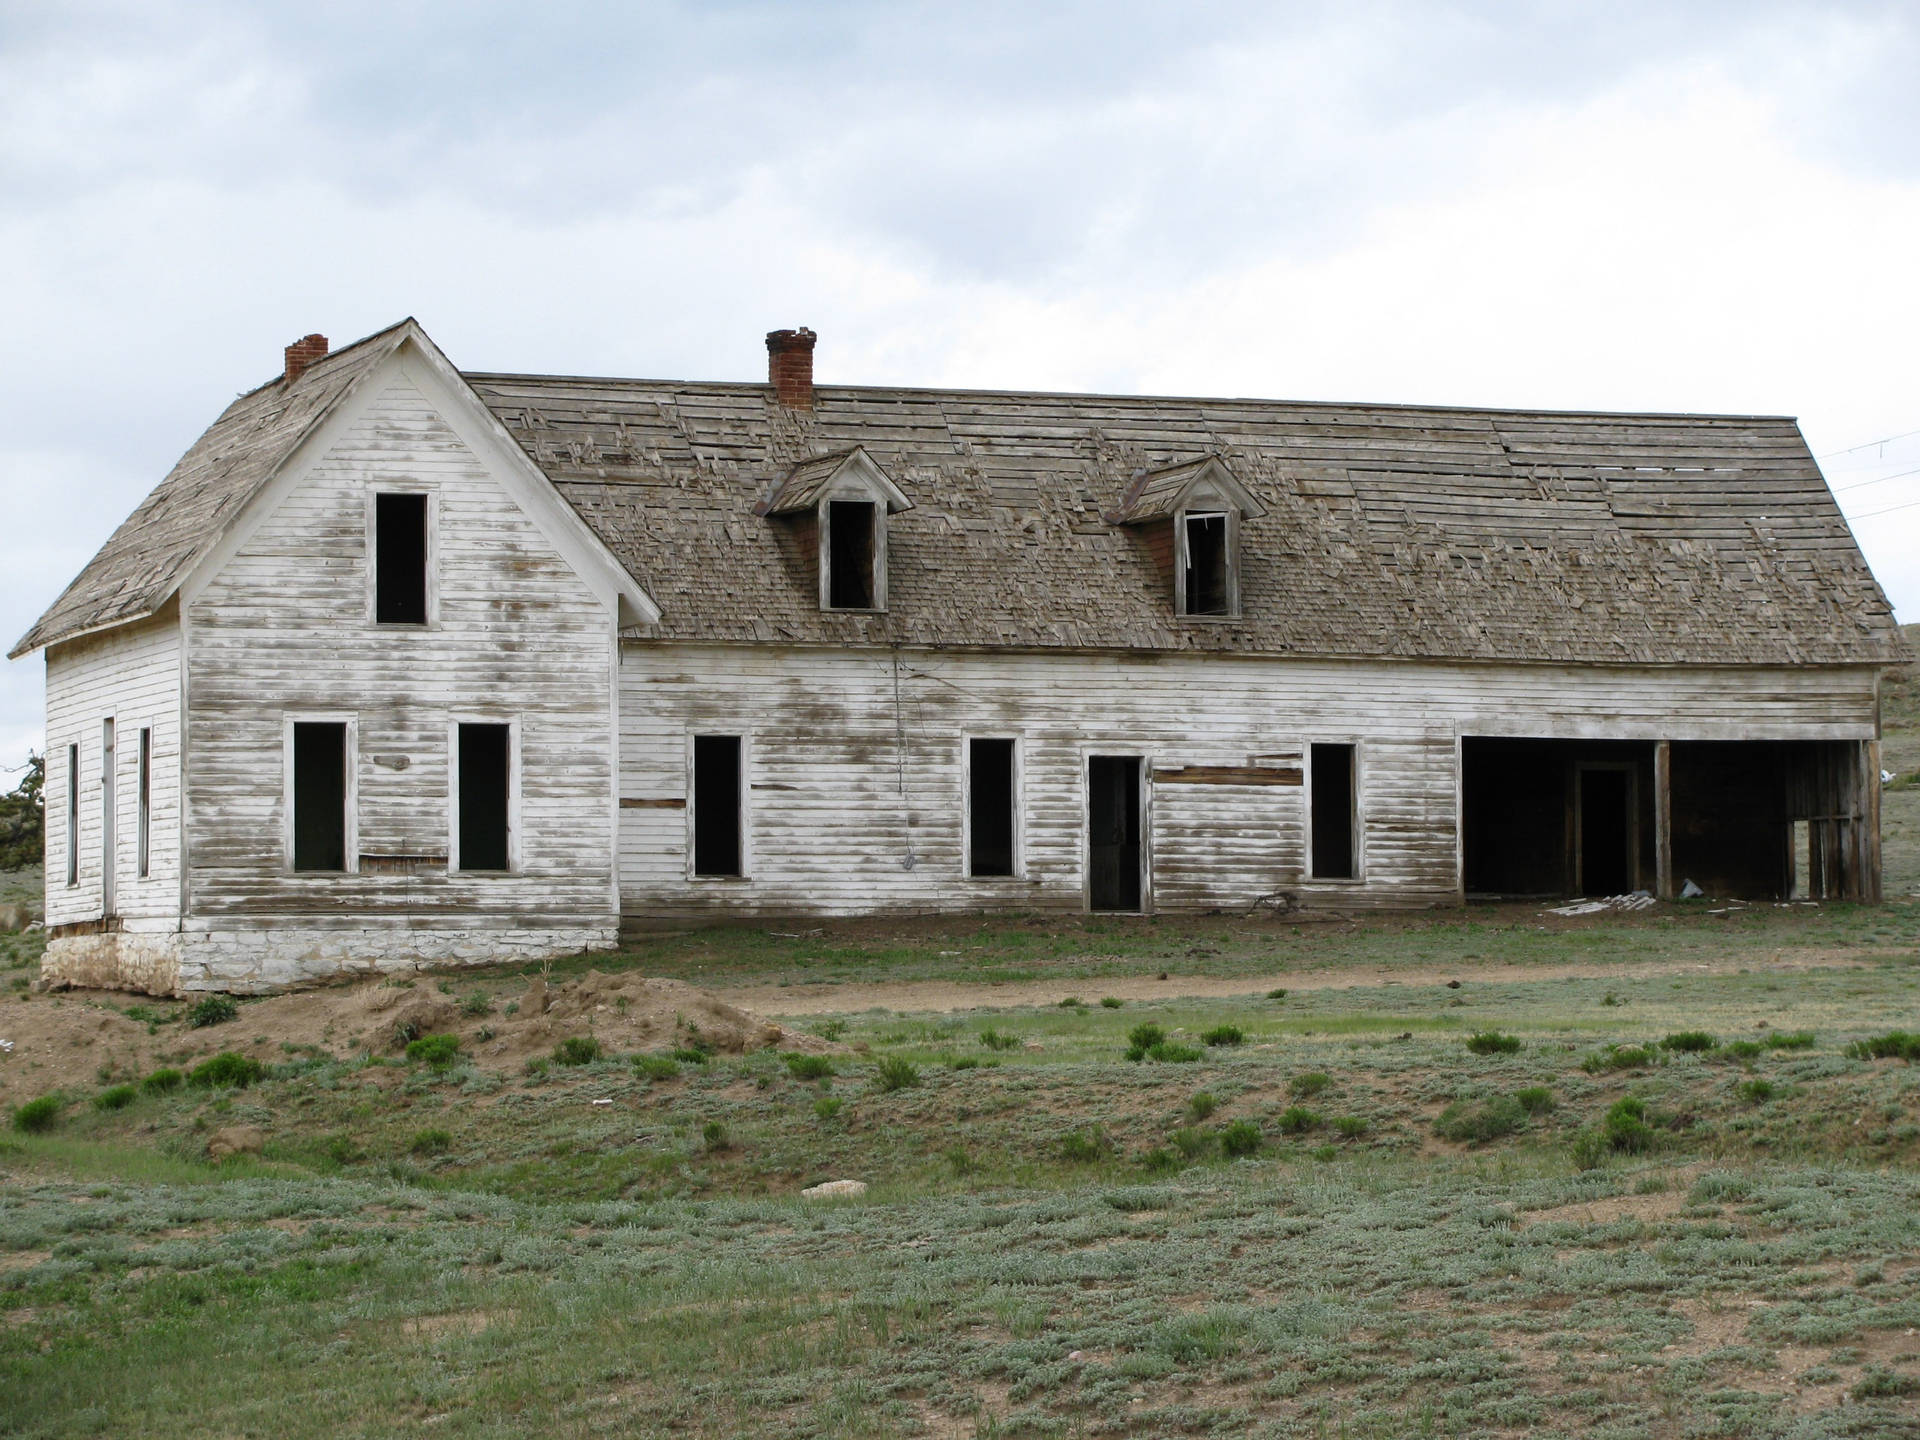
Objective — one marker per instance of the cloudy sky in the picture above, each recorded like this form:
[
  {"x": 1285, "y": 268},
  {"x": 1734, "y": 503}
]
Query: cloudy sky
[{"x": 1654, "y": 207}]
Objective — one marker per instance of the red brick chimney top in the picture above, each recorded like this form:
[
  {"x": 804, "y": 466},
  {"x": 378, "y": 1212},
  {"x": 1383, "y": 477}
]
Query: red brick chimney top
[
  {"x": 790, "y": 366},
  {"x": 303, "y": 352}
]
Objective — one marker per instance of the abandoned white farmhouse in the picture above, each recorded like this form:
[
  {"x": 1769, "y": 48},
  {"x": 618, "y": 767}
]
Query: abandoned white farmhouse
[{"x": 407, "y": 664}]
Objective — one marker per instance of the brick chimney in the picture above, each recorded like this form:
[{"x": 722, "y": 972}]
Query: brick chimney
[
  {"x": 304, "y": 351},
  {"x": 790, "y": 366}
]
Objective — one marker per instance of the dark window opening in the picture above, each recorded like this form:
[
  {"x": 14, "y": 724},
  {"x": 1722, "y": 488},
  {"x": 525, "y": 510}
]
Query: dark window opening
[
  {"x": 1206, "y": 576},
  {"x": 400, "y": 559},
  {"x": 146, "y": 802},
  {"x": 73, "y": 815},
  {"x": 1333, "y": 812},
  {"x": 850, "y": 551},
  {"x": 319, "y": 795},
  {"x": 486, "y": 762},
  {"x": 1606, "y": 831},
  {"x": 716, "y": 805},
  {"x": 1113, "y": 832},
  {"x": 990, "y": 797}
]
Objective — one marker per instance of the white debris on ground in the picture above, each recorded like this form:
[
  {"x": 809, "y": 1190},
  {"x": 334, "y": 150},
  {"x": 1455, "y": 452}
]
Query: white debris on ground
[
  {"x": 834, "y": 1189},
  {"x": 6, "y": 1047},
  {"x": 1638, "y": 900}
]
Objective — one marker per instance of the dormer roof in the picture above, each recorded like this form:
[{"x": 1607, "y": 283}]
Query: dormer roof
[
  {"x": 806, "y": 483},
  {"x": 1161, "y": 494}
]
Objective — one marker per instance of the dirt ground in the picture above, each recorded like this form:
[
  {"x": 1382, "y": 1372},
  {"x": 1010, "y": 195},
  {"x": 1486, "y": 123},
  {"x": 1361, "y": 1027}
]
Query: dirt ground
[
  {"x": 83, "y": 1037},
  {"x": 936, "y": 996}
]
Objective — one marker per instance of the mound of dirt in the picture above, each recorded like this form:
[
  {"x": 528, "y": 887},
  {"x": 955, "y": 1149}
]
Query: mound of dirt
[{"x": 82, "y": 1038}]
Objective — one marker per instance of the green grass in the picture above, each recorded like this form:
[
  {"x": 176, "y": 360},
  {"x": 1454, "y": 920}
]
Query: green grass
[{"x": 463, "y": 1253}]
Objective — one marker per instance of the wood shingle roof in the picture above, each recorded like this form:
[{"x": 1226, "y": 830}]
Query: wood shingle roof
[{"x": 1388, "y": 531}]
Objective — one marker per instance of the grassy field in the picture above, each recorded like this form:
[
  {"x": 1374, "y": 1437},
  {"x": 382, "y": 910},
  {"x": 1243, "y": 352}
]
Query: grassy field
[{"x": 1340, "y": 1218}]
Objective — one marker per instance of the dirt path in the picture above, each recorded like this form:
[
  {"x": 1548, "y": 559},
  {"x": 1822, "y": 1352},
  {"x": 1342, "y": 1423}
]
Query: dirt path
[{"x": 941, "y": 996}]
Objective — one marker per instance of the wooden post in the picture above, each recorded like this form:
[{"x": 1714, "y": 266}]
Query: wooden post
[
  {"x": 1870, "y": 881},
  {"x": 1663, "y": 819}
]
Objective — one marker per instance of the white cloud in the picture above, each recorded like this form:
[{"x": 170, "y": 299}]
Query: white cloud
[{"x": 1665, "y": 207}]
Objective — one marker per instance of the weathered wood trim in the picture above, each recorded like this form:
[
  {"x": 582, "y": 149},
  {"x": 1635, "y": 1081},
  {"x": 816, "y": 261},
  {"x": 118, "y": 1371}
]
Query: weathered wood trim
[
  {"x": 1663, "y": 819},
  {"x": 515, "y": 848},
  {"x": 413, "y": 485},
  {"x": 1229, "y": 775},
  {"x": 351, "y": 719},
  {"x": 1019, "y": 806}
]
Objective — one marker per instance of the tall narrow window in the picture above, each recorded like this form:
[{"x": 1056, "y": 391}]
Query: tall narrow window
[
  {"x": 990, "y": 806},
  {"x": 850, "y": 555},
  {"x": 1208, "y": 587},
  {"x": 400, "y": 559},
  {"x": 486, "y": 781},
  {"x": 319, "y": 795},
  {"x": 1333, "y": 813},
  {"x": 73, "y": 814},
  {"x": 716, "y": 805},
  {"x": 109, "y": 820},
  {"x": 143, "y": 837}
]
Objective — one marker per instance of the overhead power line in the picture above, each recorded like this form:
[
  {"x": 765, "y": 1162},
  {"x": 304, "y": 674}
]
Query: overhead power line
[
  {"x": 1877, "y": 480},
  {"x": 1869, "y": 445},
  {"x": 1887, "y": 511}
]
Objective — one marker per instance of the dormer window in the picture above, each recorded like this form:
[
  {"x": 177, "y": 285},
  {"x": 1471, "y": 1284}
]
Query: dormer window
[
  {"x": 1189, "y": 518},
  {"x": 1206, "y": 578},
  {"x": 839, "y": 506},
  {"x": 851, "y": 554}
]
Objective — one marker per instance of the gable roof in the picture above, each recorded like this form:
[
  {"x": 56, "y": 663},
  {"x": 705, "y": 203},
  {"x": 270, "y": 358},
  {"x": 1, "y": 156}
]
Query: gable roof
[
  {"x": 1368, "y": 530},
  {"x": 143, "y": 562},
  {"x": 1389, "y": 531},
  {"x": 811, "y": 479},
  {"x": 1159, "y": 494},
  {"x": 185, "y": 520}
]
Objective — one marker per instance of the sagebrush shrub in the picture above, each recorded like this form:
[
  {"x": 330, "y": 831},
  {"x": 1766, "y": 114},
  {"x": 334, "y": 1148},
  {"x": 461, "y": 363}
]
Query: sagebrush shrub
[
  {"x": 1743, "y": 1049},
  {"x": 808, "y": 1067},
  {"x": 1618, "y": 1057},
  {"x": 574, "y": 1050},
  {"x": 1084, "y": 1146},
  {"x": 1111, "y": 1002},
  {"x": 1350, "y": 1127},
  {"x": 827, "y": 1106},
  {"x": 1792, "y": 1040},
  {"x": 895, "y": 1072},
  {"x": 1159, "y": 1160},
  {"x": 162, "y": 1081},
  {"x": 994, "y": 1040},
  {"x": 1278, "y": 993},
  {"x": 1894, "y": 1045},
  {"x": 1192, "y": 1142},
  {"x": 1690, "y": 1042},
  {"x": 1756, "y": 1092},
  {"x": 212, "y": 1010},
  {"x": 1492, "y": 1042},
  {"x": 226, "y": 1070},
  {"x": 1142, "y": 1038},
  {"x": 714, "y": 1135},
  {"x": 438, "y": 1051},
  {"x": 1224, "y": 1035},
  {"x": 1471, "y": 1124},
  {"x": 689, "y": 1055},
  {"x": 1242, "y": 1137},
  {"x": 1626, "y": 1126},
  {"x": 655, "y": 1067},
  {"x": 477, "y": 1004},
  {"x": 1201, "y": 1105},
  {"x": 1312, "y": 1083},
  {"x": 1535, "y": 1099},
  {"x": 118, "y": 1098},
  {"x": 36, "y": 1117},
  {"x": 1168, "y": 1053},
  {"x": 432, "y": 1142},
  {"x": 1297, "y": 1120}
]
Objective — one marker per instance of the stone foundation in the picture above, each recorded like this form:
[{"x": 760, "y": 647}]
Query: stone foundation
[{"x": 256, "y": 962}]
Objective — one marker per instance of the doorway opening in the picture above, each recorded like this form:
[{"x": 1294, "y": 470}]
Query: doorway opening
[
  {"x": 1114, "y": 879},
  {"x": 1605, "y": 854}
]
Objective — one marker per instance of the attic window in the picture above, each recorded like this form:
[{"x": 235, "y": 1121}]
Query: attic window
[
  {"x": 1206, "y": 579},
  {"x": 852, "y": 574},
  {"x": 399, "y": 559}
]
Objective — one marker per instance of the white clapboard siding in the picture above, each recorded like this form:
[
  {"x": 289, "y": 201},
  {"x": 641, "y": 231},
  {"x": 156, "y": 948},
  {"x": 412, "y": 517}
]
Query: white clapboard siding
[
  {"x": 285, "y": 628},
  {"x": 132, "y": 675},
  {"x": 848, "y": 783}
]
